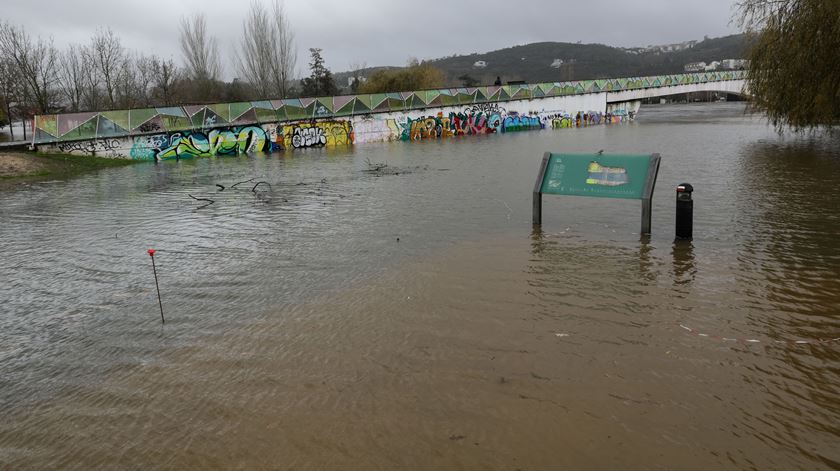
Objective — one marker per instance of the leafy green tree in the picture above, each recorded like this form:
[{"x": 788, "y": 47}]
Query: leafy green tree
[
  {"x": 795, "y": 60},
  {"x": 417, "y": 76},
  {"x": 320, "y": 82}
]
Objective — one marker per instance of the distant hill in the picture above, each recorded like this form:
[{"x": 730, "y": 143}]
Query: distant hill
[{"x": 532, "y": 62}]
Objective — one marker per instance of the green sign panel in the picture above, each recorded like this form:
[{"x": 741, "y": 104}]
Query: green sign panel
[
  {"x": 605, "y": 176},
  {"x": 601, "y": 175}
]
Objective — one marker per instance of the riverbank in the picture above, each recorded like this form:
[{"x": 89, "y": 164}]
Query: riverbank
[{"x": 16, "y": 167}]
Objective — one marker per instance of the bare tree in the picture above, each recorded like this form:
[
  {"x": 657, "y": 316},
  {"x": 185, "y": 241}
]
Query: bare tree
[
  {"x": 72, "y": 74},
  {"x": 201, "y": 52},
  {"x": 284, "y": 67},
  {"x": 164, "y": 76},
  {"x": 267, "y": 56},
  {"x": 127, "y": 84},
  {"x": 34, "y": 61},
  {"x": 108, "y": 56},
  {"x": 91, "y": 89},
  {"x": 9, "y": 89},
  {"x": 258, "y": 51},
  {"x": 356, "y": 75},
  {"x": 139, "y": 72}
]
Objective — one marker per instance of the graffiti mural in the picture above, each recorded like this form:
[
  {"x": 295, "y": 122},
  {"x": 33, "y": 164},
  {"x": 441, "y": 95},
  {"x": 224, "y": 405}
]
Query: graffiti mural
[
  {"x": 583, "y": 119},
  {"x": 484, "y": 101},
  {"x": 516, "y": 123},
  {"x": 453, "y": 124},
  {"x": 562, "y": 122},
  {"x": 472, "y": 121},
  {"x": 148, "y": 147},
  {"x": 198, "y": 144},
  {"x": 100, "y": 147},
  {"x": 463, "y": 121},
  {"x": 302, "y": 135},
  {"x": 299, "y": 123},
  {"x": 308, "y": 137}
]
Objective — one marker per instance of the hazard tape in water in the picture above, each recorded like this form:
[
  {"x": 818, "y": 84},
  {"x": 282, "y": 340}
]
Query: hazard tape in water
[{"x": 752, "y": 341}]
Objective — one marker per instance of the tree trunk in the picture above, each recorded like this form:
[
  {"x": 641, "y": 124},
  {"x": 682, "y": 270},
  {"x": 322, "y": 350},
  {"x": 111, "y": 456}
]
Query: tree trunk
[{"x": 11, "y": 123}]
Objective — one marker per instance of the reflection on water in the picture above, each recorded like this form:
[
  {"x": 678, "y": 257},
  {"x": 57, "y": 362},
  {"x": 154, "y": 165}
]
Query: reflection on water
[
  {"x": 683, "y": 255},
  {"x": 344, "y": 319}
]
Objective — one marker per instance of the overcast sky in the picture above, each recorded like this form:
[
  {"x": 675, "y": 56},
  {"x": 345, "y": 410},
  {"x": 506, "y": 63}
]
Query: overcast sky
[{"x": 385, "y": 32}]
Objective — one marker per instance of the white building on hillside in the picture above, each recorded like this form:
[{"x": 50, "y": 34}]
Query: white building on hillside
[
  {"x": 735, "y": 64},
  {"x": 695, "y": 67}
]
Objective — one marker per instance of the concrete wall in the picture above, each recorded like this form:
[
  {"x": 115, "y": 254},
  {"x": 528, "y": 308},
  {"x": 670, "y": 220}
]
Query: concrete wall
[
  {"x": 229, "y": 128},
  {"x": 429, "y": 123}
]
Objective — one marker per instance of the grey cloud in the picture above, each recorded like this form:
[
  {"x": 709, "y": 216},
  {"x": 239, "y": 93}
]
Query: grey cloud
[{"x": 386, "y": 32}]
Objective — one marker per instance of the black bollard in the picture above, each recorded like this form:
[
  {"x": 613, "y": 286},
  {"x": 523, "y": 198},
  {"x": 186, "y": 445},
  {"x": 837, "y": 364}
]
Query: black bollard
[{"x": 685, "y": 212}]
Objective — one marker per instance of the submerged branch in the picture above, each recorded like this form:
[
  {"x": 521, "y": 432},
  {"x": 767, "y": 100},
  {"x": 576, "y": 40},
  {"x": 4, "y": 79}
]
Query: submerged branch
[
  {"x": 254, "y": 189},
  {"x": 209, "y": 201},
  {"x": 239, "y": 183}
]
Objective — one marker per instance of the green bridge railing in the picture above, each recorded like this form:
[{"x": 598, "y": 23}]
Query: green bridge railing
[{"x": 119, "y": 123}]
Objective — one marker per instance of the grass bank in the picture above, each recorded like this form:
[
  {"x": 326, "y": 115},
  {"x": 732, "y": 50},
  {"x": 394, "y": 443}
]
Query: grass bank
[{"x": 18, "y": 167}]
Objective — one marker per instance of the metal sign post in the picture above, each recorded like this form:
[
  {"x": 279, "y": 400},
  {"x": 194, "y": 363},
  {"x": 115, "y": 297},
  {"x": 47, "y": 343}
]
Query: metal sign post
[{"x": 598, "y": 175}]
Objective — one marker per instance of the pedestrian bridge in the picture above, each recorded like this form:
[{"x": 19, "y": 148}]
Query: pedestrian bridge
[{"x": 266, "y": 125}]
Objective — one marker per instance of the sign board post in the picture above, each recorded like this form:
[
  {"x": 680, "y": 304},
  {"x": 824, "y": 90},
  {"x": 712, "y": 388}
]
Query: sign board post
[{"x": 598, "y": 175}]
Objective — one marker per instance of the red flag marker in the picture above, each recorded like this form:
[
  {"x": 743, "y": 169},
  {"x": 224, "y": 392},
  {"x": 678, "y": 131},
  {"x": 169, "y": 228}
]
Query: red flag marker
[{"x": 154, "y": 269}]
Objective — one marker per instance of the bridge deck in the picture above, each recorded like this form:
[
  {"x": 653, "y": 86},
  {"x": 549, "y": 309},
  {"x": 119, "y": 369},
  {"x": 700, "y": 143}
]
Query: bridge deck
[{"x": 68, "y": 127}]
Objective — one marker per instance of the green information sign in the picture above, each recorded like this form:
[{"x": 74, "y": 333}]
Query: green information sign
[{"x": 600, "y": 175}]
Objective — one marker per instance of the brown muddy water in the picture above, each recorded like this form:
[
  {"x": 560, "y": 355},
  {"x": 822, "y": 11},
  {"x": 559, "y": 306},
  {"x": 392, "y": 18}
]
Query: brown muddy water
[{"x": 413, "y": 320}]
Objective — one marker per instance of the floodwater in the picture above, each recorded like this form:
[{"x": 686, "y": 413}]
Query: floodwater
[{"x": 412, "y": 319}]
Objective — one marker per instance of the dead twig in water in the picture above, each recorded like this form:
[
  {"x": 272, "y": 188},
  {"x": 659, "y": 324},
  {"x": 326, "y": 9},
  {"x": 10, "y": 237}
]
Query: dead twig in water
[
  {"x": 374, "y": 167},
  {"x": 254, "y": 189},
  {"x": 209, "y": 201},
  {"x": 239, "y": 183}
]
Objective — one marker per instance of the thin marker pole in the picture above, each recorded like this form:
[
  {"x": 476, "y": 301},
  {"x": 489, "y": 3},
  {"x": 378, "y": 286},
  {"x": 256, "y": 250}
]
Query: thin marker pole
[{"x": 154, "y": 269}]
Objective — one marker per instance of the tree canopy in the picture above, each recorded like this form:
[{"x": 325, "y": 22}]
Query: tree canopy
[
  {"x": 795, "y": 64},
  {"x": 320, "y": 82},
  {"x": 417, "y": 76}
]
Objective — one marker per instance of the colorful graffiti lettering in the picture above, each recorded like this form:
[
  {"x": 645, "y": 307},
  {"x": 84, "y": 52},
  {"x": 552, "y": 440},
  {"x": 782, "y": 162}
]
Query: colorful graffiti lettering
[
  {"x": 562, "y": 122},
  {"x": 308, "y": 137},
  {"x": 472, "y": 122},
  {"x": 455, "y": 124},
  {"x": 516, "y": 123},
  {"x": 216, "y": 142},
  {"x": 147, "y": 147},
  {"x": 313, "y": 134},
  {"x": 580, "y": 119},
  {"x": 226, "y": 141}
]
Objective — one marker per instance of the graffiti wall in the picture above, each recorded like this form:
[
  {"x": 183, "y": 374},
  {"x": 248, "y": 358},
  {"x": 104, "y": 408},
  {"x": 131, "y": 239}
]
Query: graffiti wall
[
  {"x": 302, "y": 135},
  {"x": 376, "y": 129},
  {"x": 414, "y": 125},
  {"x": 116, "y": 124},
  {"x": 478, "y": 119},
  {"x": 108, "y": 147},
  {"x": 216, "y": 142}
]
